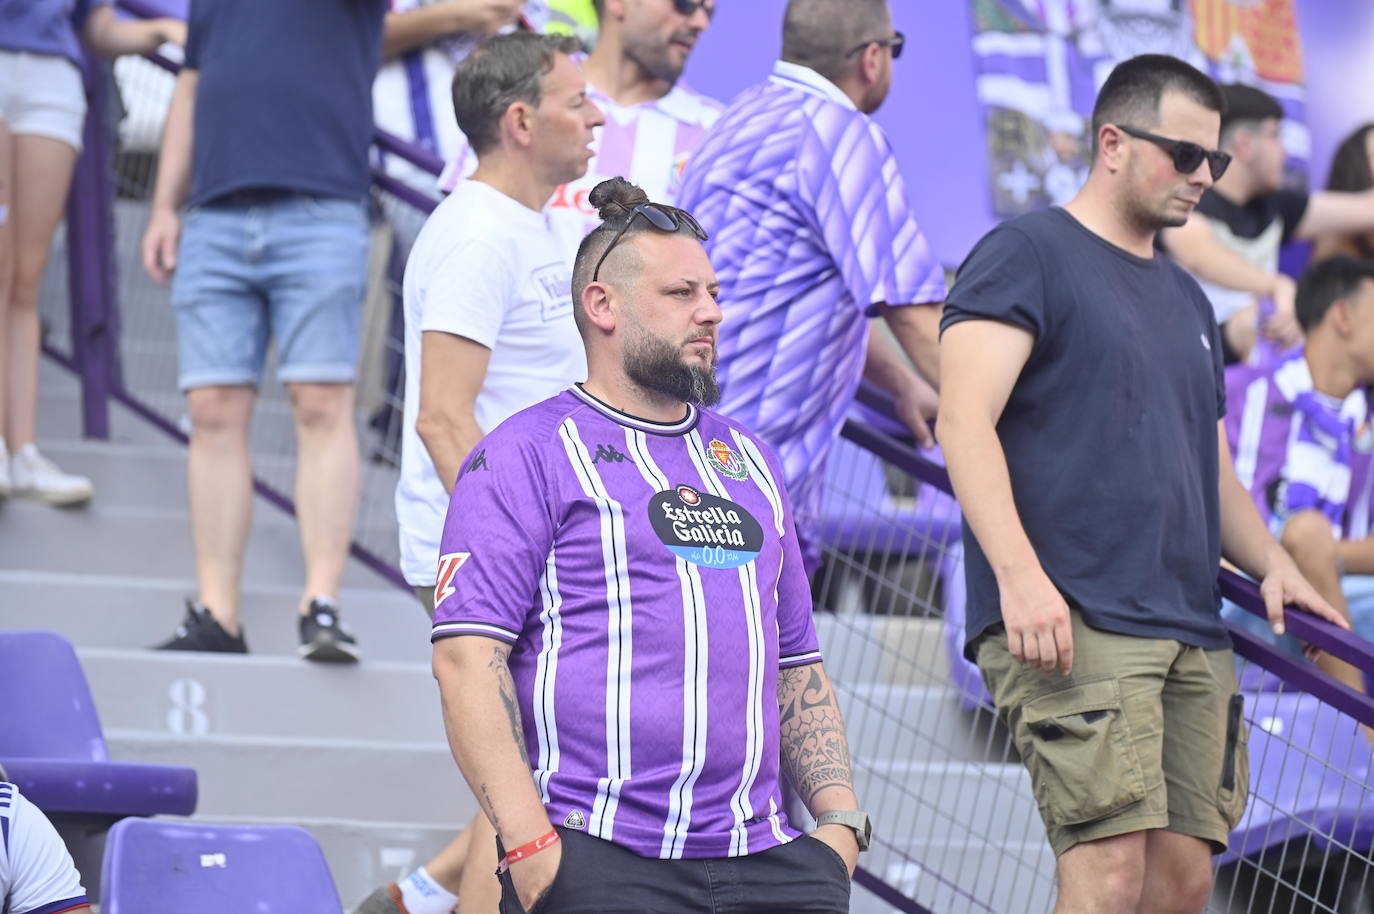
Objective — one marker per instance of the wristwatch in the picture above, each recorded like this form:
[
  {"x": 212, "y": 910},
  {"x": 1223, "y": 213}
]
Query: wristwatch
[{"x": 858, "y": 821}]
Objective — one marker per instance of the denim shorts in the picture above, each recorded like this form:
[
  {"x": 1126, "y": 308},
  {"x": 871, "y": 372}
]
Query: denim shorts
[{"x": 291, "y": 268}]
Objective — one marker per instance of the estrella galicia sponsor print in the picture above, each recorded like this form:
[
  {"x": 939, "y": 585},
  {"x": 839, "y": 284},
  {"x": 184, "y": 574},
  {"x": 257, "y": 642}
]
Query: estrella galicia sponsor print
[{"x": 704, "y": 529}]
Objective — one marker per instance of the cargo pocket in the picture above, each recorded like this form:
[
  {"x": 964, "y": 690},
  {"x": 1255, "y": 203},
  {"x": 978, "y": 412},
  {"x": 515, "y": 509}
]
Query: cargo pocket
[
  {"x": 1235, "y": 764},
  {"x": 1082, "y": 762}
]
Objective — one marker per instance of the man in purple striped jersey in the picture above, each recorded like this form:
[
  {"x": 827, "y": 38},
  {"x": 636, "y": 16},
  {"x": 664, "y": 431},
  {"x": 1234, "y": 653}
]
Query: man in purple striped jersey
[
  {"x": 622, "y": 613},
  {"x": 812, "y": 235},
  {"x": 1300, "y": 432}
]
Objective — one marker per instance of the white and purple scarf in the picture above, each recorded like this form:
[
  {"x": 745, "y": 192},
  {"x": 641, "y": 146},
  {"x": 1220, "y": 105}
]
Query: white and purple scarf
[{"x": 1318, "y": 465}]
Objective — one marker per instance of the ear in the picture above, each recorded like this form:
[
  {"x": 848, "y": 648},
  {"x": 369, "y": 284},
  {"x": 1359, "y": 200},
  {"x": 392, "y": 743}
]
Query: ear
[
  {"x": 518, "y": 123},
  {"x": 598, "y": 304},
  {"x": 871, "y": 64},
  {"x": 1111, "y": 148},
  {"x": 615, "y": 9}
]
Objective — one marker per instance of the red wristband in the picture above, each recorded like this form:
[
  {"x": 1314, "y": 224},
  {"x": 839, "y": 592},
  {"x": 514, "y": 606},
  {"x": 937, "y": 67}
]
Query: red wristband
[{"x": 528, "y": 850}]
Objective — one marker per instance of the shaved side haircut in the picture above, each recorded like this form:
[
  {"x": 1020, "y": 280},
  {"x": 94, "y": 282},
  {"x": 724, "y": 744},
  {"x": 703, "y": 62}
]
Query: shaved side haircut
[
  {"x": 1132, "y": 92},
  {"x": 819, "y": 33}
]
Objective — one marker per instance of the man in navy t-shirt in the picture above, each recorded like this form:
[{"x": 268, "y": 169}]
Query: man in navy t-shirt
[
  {"x": 267, "y": 144},
  {"x": 1080, "y": 417}
]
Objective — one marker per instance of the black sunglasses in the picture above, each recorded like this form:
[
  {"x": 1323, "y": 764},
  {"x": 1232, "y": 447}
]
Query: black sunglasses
[
  {"x": 688, "y": 7},
  {"x": 896, "y": 43},
  {"x": 663, "y": 218},
  {"x": 1187, "y": 156}
]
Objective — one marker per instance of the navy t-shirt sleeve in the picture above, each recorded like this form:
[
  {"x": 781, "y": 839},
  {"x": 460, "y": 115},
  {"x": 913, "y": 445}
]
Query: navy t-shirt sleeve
[
  {"x": 1001, "y": 280},
  {"x": 1292, "y": 206},
  {"x": 195, "y": 26}
]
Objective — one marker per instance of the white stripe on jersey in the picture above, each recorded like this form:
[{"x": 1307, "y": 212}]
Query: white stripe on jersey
[
  {"x": 763, "y": 478},
  {"x": 775, "y": 821},
  {"x": 474, "y": 628},
  {"x": 619, "y": 634},
  {"x": 749, "y": 589},
  {"x": 1251, "y": 431},
  {"x": 546, "y": 677},
  {"x": 651, "y": 162},
  {"x": 695, "y": 700}
]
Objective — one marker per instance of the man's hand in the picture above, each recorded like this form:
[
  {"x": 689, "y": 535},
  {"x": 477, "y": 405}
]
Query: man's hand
[
  {"x": 1283, "y": 326},
  {"x": 916, "y": 404},
  {"x": 1039, "y": 633},
  {"x": 1285, "y": 585},
  {"x": 160, "y": 244},
  {"x": 534, "y": 875},
  {"x": 841, "y": 840}
]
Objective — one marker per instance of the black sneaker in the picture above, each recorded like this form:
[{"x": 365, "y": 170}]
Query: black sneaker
[
  {"x": 323, "y": 636},
  {"x": 200, "y": 631}
]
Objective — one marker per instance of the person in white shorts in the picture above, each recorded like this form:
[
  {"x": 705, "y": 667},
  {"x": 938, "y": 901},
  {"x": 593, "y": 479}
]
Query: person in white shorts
[
  {"x": 42, "y": 114},
  {"x": 489, "y": 331}
]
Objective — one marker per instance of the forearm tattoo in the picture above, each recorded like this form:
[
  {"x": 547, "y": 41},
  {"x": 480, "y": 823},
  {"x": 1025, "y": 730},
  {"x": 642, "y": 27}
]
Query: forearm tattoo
[
  {"x": 505, "y": 685},
  {"x": 815, "y": 752}
]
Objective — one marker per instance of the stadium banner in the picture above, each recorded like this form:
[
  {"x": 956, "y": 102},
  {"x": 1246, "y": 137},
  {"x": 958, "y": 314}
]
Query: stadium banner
[{"x": 1040, "y": 62}]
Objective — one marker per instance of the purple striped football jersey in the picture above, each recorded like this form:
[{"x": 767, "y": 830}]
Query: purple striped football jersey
[
  {"x": 810, "y": 228},
  {"x": 648, "y": 579}
]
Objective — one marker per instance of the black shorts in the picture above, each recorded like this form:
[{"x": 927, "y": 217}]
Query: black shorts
[{"x": 804, "y": 876}]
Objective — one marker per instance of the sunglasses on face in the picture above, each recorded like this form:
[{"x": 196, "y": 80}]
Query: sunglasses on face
[
  {"x": 1187, "y": 156},
  {"x": 896, "y": 43},
  {"x": 663, "y": 218},
  {"x": 688, "y": 7}
]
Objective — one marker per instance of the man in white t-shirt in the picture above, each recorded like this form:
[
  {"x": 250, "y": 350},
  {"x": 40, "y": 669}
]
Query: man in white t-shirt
[
  {"x": 36, "y": 872},
  {"x": 654, "y": 121},
  {"x": 488, "y": 331}
]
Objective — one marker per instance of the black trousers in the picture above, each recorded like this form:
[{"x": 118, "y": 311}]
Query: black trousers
[{"x": 804, "y": 876}]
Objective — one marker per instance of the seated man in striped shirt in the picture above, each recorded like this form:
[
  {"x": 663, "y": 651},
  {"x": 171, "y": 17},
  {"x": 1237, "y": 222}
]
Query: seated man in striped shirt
[
  {"x": 1301, "y": 435},
  {"x": 622, "y": 613},
  {"x": 37, "y": 875}
]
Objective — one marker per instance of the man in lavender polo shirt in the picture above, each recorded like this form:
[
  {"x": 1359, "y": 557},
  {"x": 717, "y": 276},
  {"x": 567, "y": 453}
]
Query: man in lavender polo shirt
[
  {"x": 812, "y": 235},
  {"x": 621, "y": 612}
]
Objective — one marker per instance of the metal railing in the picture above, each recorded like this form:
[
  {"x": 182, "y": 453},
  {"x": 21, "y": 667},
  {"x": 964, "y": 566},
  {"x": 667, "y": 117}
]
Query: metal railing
[{"x": 957, "y": 827}]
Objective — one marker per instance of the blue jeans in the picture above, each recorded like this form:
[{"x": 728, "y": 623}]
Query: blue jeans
[{"x": 289, "y": 268}]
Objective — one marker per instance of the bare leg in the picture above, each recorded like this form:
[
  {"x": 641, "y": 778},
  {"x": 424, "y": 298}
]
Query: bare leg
[
  {"x": 42, "y": 170},
  {"x": 326, "y": 482},
  {"x": 447, "y": 866},
  {"x": 1178, "y": 874},
  {"x": 7, "y": 166},
  {"x": 220, "y": 487},
  {"x": 1311, "y": 540},
  {"x": 1102, "y": 877},
  {"x": 481, "y": 892}
]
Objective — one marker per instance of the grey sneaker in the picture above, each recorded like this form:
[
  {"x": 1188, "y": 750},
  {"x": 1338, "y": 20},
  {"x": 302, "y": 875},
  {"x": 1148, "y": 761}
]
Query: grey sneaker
[
  {"x": 386, "y": 900},
  {"x": 323, "y": 636},
  {"x": 34, "y": 476}
]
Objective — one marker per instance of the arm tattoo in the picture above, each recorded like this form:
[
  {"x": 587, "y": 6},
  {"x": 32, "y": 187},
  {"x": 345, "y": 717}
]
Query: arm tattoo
[
  {"x": 505, "y": 685},
  {"x": 815, "y": 752}
]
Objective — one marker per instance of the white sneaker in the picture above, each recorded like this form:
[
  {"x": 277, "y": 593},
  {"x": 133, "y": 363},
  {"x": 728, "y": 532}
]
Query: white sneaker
[
  {"x": 5, "y": 485},
  {"x": 34, "y": 476}
]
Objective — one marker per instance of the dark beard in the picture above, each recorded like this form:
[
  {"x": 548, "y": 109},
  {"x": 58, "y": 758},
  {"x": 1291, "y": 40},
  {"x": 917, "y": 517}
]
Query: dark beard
[{"x": 655, "y": 365}]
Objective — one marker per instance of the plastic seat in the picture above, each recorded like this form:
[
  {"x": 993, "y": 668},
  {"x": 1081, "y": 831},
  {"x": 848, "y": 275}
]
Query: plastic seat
[
  {"x": 159, "y": 867},
  {"x": 52, "y": 744}
]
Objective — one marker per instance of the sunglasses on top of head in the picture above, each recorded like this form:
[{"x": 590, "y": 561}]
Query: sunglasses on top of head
[
  {"x": 664, "y": 218},
  {"x": 1187, "y": 156},
  {"x": 688, "y": 7},
  {"x": 896, "y": 43}
]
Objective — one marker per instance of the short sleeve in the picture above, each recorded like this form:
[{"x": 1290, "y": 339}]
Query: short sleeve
[
  {"x": 864, "y": 216},
  {"x": 1291, "y": 206},
  {"x": 195, "y": 34},
  {"x": 42, "y": 875},
  {"x": 81, "y": 11},
  {"x": 496, "y": 540},
  {"x": 468, "y": 293},
  {"x": 797, "y": 642},
  {"x": 1001, "y": 280}
]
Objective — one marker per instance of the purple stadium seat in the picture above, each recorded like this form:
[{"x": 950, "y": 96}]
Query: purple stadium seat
[
  {"x": 52, "y": 744},
  {"x": 863, "y": 517},
  {"x": 160, "y": 867}
]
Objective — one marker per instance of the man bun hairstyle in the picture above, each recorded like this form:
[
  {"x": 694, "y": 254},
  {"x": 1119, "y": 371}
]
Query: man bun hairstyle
[
  {"x": 502, "y": 71},
  {"x": 1132, "y": 92},
  {"x": 615, "y": 200},
  {"x": 1326, "y": 283}
]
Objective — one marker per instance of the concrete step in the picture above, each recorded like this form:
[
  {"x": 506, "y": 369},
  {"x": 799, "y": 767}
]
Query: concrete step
[
  {"x": 292, "y": 778},
  {"x": 189, "y": 695}
]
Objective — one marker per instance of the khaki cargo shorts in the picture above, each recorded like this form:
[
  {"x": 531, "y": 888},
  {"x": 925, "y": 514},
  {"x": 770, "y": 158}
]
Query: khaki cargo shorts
[{"x": 1146, "y": 733}]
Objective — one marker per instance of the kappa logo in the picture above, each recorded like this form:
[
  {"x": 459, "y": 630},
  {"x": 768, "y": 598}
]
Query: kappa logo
[
  {"x": 479, "y": 462},
  {"x": 575, "y": 820},
  {"x": 608, "y": 454},
  {"x": 1206, "y": 343},
  {"x": 724, "y": 459},
  {"x": 448, "y": 567}
]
